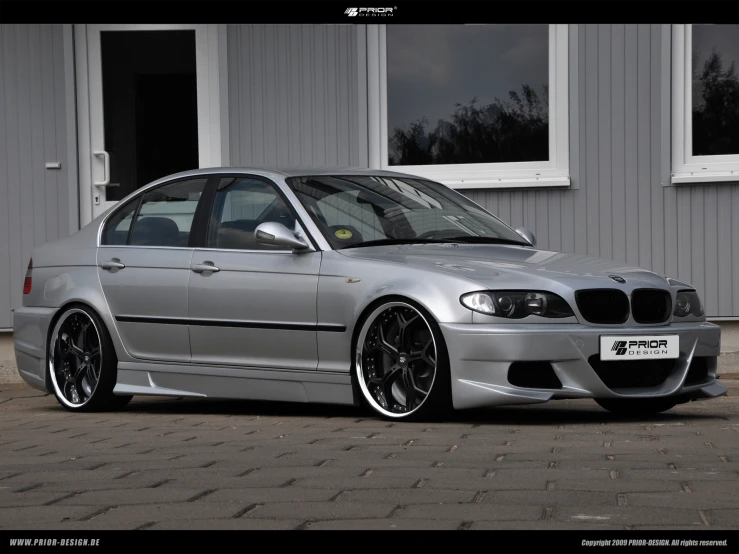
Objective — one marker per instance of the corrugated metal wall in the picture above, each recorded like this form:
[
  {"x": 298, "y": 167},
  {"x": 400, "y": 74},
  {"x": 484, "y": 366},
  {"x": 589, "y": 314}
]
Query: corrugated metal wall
[
  {"x": 620, "y": 158},
  {"x": 294, "y": 96},
  {"x": 35, "y": 203},
  {"x": 297, "y": 95}
]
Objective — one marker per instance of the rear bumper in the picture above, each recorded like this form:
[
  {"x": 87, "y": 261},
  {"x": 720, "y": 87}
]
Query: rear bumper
[
  {"x": 481, "y": 355},
  {"x": 30, "y": 331}
]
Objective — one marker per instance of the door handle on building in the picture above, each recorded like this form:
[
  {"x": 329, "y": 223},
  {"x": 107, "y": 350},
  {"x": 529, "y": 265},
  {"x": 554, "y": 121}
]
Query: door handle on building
[
  {"x": 115, "y": 263},
  {"x": 205, "y": 267},
  {"x": 106, "y": 166}
]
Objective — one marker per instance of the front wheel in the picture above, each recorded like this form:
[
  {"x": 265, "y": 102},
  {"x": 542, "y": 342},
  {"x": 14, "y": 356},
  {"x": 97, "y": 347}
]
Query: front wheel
[
  {"x": 637, "y": 406},
  {"x": 82, "y": 362},
  {"x": 401, "y": 362}
]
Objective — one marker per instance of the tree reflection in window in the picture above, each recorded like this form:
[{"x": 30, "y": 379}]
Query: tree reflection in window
[{"x": 715, "y": 90}]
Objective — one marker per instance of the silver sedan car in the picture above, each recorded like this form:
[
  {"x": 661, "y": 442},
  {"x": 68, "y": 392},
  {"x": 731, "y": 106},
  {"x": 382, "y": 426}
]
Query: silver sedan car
[{"x": 350, "y": 287}]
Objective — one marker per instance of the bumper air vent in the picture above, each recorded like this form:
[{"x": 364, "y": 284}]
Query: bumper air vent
[
  {"x": 533, "y": 375},
  {"x": 632, "y": 374}
]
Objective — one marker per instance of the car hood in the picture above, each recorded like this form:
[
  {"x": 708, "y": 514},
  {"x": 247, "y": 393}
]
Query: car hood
[{"x": 516, "y": 267}]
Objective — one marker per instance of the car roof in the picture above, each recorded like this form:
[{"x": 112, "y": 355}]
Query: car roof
[{"x": 275, "y": 172}]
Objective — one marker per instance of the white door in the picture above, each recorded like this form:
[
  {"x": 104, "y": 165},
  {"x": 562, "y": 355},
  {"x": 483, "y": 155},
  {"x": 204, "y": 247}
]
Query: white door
[{"x": 148, "y": 105}]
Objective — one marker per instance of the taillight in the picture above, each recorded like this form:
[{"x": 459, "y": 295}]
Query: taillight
[{"x": 28, "y": 282}]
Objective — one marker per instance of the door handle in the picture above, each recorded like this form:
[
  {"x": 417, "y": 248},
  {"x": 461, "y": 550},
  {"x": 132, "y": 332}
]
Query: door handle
[
  {"x": 115, "y": 263},
  {"x": 205, "y": 267},
  {"x": 106, "y": 166}
]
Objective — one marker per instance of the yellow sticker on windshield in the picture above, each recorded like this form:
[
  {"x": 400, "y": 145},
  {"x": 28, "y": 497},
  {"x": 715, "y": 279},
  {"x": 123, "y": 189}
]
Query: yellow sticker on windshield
[{"x": 343, "y": 234}]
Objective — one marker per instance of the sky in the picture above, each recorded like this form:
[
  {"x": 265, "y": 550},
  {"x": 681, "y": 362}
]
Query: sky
[{"x": 430, "y": 68}]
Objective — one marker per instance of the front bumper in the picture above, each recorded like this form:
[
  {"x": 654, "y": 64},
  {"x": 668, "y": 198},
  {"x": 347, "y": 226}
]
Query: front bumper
[{"x": 481, "y": 355}]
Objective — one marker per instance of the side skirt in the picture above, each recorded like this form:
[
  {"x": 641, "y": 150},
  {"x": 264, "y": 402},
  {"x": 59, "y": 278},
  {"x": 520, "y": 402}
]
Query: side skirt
[{"x": 147, "y": 378}]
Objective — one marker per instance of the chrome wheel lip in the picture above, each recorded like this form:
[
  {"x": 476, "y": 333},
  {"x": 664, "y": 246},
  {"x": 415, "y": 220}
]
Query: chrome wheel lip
[
  {"x": 51, "y": 354},
  {"x": 358, "y": 358}
]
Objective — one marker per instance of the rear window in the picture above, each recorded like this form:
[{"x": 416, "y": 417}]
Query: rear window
[{"x": 163, "y": 217}]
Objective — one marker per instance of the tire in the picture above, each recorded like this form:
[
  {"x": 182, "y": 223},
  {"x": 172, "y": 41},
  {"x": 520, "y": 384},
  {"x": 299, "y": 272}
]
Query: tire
[
  {"x": 82, "y": 363},
  {"x": 637, "y": 406},
  {"x": 401, "y": 364}
]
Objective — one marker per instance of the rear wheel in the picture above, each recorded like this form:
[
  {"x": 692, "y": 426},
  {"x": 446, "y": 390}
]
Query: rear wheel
[
  {"x": 401, "y": 362},
  {"x": 637, "y": 406},
  {"x": 82, "y": 362}
]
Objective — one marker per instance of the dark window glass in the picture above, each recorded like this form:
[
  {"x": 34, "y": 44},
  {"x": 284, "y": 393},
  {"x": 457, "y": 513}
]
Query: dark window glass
[
  {"x": 715, "y": 90},
  {"x": 460, "y": 94},
  {"x": 117, "y": 227},
  {"x": 353, "y": 210},
  {"x": 166, "y": 214},
  {"x": 149, "y": 106},
  {"x": 241, "y": 204}
]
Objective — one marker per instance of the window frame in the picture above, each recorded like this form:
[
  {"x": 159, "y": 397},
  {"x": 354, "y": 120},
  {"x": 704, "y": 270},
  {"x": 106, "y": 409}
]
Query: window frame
[
  {"x": 687, "y": 168},
  {"x": 552, "y": 173},
  {"x": 137, "y": 197},
  {"x": 203, "y": 216}
]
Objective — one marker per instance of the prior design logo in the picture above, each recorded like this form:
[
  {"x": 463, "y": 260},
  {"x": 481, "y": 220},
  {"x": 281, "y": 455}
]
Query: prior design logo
[
  {"x": 362, "y": 12},
  {"x": 620, "y": 346}
]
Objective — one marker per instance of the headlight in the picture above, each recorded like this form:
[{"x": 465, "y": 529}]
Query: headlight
[
  {"x": 688, "y": 302},
  {"x": 516, "y": 304}
]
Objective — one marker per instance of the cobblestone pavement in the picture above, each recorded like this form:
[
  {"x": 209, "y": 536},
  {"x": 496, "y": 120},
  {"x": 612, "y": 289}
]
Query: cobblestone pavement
[{"x": 189, "y": 464}]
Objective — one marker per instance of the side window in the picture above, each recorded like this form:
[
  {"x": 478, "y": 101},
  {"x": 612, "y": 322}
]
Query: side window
[
  {"x": 241, "y": 204},
  {"x": 118, "y": 225},
  {"x": 344, "y": 212},
  {"x": 166, "y": 214}
]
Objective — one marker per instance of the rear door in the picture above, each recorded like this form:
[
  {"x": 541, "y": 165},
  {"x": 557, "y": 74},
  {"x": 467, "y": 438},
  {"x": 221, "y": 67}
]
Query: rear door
[
  {"x": 257, "y": 306},
  {"x": 144, "y": 267}
]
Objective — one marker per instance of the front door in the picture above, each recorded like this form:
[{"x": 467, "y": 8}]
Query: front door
[
  {"x": 257, "y": 307},
  {"x": 145, "y": 98}
]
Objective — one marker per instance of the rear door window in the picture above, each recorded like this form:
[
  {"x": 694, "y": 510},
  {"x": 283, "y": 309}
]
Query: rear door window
[{"x": 166, "y": 214}]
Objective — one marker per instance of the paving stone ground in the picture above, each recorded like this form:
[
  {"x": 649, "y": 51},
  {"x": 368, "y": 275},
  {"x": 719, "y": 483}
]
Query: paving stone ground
[{"x": 204, "y": 464}]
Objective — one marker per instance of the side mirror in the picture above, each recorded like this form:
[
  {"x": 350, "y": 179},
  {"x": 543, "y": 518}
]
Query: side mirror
[
  {"x": 276, "y": 234},
  {"x": 527, "y": 235}
]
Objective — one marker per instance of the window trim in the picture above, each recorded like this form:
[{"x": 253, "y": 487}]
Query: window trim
[
  {"x": 552, "y": 173},
  {"x": 687, "y": 168},
  {"x": 138, "y": 197},
  {"x": 212, "y": 191}
]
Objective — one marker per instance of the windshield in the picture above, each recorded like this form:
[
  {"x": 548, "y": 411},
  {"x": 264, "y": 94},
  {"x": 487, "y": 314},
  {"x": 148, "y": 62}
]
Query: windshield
[{"x": 354, "y": 211}]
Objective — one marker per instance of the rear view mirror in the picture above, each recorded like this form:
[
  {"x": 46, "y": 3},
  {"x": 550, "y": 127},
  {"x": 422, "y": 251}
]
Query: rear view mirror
[
  {"x": 527, "y": 235},
  {"x": 276, "y": 234}
]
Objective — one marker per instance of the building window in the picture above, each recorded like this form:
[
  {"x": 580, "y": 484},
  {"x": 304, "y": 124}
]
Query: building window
[
  {"x": 705, "y": 92},
  {"x": 472, "y": 106}
]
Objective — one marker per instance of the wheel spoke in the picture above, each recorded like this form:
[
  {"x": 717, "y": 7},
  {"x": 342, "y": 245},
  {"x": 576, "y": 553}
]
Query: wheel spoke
[
  {"x": 424, "y": 354},
  {"x": 403, "y": 324},
  {"x": 76, "y": 351},
  {"x": 78, "y": 374},
  {"x": 384, "y": 345},
  {"x": 83, "y": 336},
  {"x": 410, "y": 391},
  {"x": 390, "y": 377},
  {"x": 414, "y": 385},
  {"x": 92, "y": 378}
]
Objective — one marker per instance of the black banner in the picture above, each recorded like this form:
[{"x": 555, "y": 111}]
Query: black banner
[
  {"x": 385, "y": 542},
  {"x": 351, "y": 12}
]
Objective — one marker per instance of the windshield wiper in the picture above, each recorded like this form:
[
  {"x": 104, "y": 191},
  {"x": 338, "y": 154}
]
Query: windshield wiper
[
  {"x": 390, "y": 242},
  {"x": 485, "y": 240}
]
